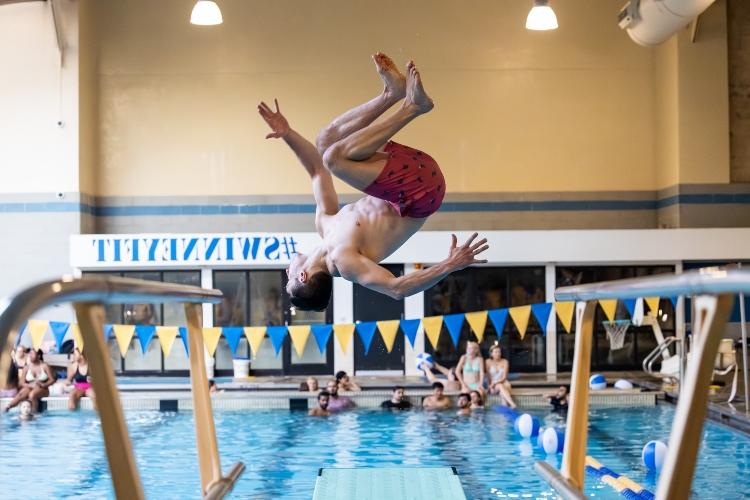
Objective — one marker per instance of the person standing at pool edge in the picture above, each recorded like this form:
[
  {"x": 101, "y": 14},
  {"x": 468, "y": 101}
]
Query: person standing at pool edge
[{"x": 404, "y": 187}]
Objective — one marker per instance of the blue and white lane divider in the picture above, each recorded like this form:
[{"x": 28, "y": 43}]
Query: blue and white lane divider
[{"x": 625, "y": 486}]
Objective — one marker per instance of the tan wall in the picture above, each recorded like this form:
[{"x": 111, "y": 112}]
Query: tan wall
[
  {"x": 88, "y": 102},
  {"x": 666, "y": 114},
  {"x": 516, "y": 110}
]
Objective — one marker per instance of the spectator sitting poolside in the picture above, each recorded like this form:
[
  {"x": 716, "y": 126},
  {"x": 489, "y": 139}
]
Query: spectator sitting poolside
[
  {"x": 450, "y": 382},
  {"x": 345, "y": 383},
  {"x": 322, "y": 409},
  {"x": 11, "y": 382},
  {"x": 81, "y": 380},
  {"x": 477, "y": 403},
  {"x": 558, "y": 399},
  {"x": 35, "y": 381},
  {"x": 312, "y": 384},
  {"x": 336, "y": 402},
  {"x": 438, "y": 400},
  {"x": 397, "y": 401},
  {"x": 303, "y": 387},
  {"x": 463, "y": 403}
]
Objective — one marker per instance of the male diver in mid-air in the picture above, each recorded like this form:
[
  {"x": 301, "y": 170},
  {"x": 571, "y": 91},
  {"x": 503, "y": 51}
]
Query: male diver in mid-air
[{"x": 404, "y": 187}]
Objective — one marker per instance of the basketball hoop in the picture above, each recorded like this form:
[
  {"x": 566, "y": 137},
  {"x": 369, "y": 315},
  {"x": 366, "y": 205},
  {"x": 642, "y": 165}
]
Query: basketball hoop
[{"x": 616, "y": 332}]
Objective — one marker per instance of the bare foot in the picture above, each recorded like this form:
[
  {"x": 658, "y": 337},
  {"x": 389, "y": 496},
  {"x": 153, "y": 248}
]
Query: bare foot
[
  {"x": 416, "y": 97},
  {"x": 395, "y": 82}
]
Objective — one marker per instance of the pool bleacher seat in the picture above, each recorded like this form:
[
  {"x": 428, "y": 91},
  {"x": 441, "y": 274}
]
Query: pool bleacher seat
[{"x": 392, "y": 483}]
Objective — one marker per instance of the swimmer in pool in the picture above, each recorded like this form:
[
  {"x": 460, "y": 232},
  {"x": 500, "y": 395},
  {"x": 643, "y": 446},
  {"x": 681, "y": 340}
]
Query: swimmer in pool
[
  {"x": 322, "y": 409},
  {"x": 464, "y": 404},
  {"x": 404, "y": 186}
]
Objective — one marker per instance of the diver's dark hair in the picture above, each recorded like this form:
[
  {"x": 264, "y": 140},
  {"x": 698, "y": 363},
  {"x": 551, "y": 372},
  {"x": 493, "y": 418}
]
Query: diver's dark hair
[
  {"x": 435, "y": 385},
  {"x": 324, "y": 393},
  {"x": 314, "y": 294},
  {"x": 339, "y": 375}
]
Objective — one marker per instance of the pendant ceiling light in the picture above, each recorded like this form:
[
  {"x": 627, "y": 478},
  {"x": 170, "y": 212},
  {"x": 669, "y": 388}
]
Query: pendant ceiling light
[
  {"x": 206, "y": 13},
  {"x": 541, "y": 17}
]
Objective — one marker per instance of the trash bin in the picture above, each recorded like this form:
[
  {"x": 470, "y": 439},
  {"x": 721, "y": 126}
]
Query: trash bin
[{"x": 241, "y": 367}]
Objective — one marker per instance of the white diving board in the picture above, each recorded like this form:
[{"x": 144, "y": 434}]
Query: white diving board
[{"x": 393, "y": 483}]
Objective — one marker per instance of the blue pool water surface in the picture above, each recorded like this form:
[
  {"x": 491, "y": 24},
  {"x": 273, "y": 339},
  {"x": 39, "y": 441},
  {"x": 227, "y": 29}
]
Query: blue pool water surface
[{"x": 62, "y": 453}]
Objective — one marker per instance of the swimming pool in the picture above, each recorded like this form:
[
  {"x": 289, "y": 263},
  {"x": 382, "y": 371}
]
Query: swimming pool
[{"x": 283, "y": 451}]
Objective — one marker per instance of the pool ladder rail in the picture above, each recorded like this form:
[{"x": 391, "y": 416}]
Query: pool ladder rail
[
  {"x": 713, "y": 291},
  {"x": 89, "y": 295}
]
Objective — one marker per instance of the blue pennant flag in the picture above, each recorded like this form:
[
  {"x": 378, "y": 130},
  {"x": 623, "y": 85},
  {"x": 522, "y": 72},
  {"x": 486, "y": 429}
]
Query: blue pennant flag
[
  {"x": 366, "y": 333},
  {"x": 322, "y": 333},
  {"x": 673, "y": 300},
  {"x": 233, "y": 334},
  {"x": 498, "y": 318},
  {"x": 541, "y": 313},
  {"x": 145, "y": 334},
  {"x": 454, "y": 323},
  {"x": 410, "y": 327},
  {"x": 107, "y": 332},
  {"x": 630, "y": 306},
  {"x": 184, "y": 337},
  {"x": 59, "y": 329},
  {"x": 277, "y": 335}
]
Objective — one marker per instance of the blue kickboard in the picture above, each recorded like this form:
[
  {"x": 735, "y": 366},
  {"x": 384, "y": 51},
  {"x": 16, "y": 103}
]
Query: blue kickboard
[{"x": 392, "y": 483}]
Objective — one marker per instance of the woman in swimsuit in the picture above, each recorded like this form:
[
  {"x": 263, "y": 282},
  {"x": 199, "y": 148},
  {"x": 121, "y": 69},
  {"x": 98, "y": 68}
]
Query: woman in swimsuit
[
  {"x": 20, "y": 357},
  {"x": 11, "y": 382},
  {"x": 80, "y": 378},
  {"x": 36, "y": 378},
  {"x": 497, "y": 368},
  {"x": 470, "y": 369}
]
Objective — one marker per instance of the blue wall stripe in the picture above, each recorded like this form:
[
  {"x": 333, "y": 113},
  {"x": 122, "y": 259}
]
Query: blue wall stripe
[{"x": 309, "y": 208}]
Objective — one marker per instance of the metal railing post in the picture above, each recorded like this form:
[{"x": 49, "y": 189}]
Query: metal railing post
[
  {"x": 122, "y": 466},
  {"x": 576, "y": 433}
]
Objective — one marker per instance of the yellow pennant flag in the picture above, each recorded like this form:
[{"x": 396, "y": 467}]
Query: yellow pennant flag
[
  {"x": 344, "y": 335},
  {"x": 388, "y": 330},
  {"x": 123, "y": 334},
  {"x": 166, "y": 335},
  {"x": 299, "y": 335},
  {"x": 564, "y": 311},
  {"x": 255, "y": 336},
  {"x": 211, "y": 338},
  {"x": 37, "y": 328},
  {"x": 609, "y": 306},
  {"x": 477, "y": 321},
  {"x": 651, "y": 302},
  {"x": 432, "y": 327},
  {"x": 520, "y": 316},
  {"x": 77, "y": 338}
]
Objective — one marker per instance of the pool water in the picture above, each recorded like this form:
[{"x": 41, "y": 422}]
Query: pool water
[{"x": 283, "y": 451}]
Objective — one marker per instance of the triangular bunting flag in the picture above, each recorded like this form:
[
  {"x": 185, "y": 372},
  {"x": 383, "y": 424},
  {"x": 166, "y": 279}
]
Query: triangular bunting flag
[
  {"x": 410, "y": 327},
  {"x": 344, "y": 335},
  {"x": 454, "y": 323},
  {"x": 653, "y": 304},
  {"x": 366, "y": 331},
  {"x": 184, "y": 338},
  {"x": 166, "y": 335},
  {"x": 322, "y": 333},
  {"x": 59, "y": 329},
  {"x": 637, "y": 316},
  {"x": 145, "y": 334},
  {"x": 629, "y": 305},
  {"x": 107, "y": 332},
  {"x": 123, "y": 335},
  {"x": 255, "y": 336},
  {"x": 432, "y": 326},
  {"x": 277, "y": 334},
  {"x": 520, "y": 316},
  {"x": 211, "y": 338},
  {"x": 673, "y": 300},
  {"x": 37, "y": 328},
  {"x": 478, "y": 322},
  {"x": 77, "y": 338},
  {"x": 609, "y": 306},
  {"x": 564, "y": 311},
  {"x": 498, "y": 318},
  {"x": 299, "y": 335},
  {"x": 541, "y": 313},
  {"x": 233, "y": 335},
  {"x": 388, "y": 331}
]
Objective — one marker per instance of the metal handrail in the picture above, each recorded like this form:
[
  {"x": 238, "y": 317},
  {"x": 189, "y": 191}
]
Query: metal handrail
[
  {"x": 562, "y": 486},
  {"x": 89, "y": 296},
  {"x": 710, "y": 281},
  {"x": 648, "y": 361}
]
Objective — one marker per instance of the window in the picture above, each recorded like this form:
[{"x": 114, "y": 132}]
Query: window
[
  {"x": 480, "y": 288},
  {"x": 639, "y": 340}
]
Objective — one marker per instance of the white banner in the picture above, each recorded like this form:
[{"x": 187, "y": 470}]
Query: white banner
[{"x": 121, "y": 251}]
